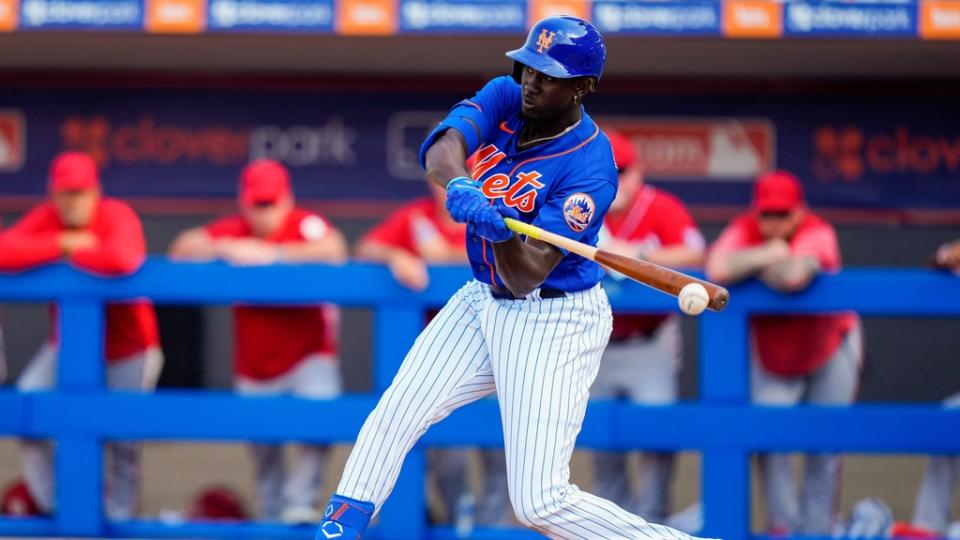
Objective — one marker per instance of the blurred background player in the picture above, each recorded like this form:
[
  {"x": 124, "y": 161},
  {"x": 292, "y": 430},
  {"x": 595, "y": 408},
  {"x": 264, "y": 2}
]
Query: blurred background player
[
  {"x": 796, "y": 358},
  {"x": 3, "y": 346},
  {"x": 644, "y": 355},
  {"x": 931, "y": 510},
  {"x": 421, "y": 233},
  {"x": 277, "y": 350},
  {"x": 103, "y": 236}
]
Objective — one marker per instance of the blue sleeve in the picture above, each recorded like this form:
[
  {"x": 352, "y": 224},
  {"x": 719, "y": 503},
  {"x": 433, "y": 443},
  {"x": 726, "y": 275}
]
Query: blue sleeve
[
  {"x": 576, "y": 209},
  {"x": 477, "y": 117}
]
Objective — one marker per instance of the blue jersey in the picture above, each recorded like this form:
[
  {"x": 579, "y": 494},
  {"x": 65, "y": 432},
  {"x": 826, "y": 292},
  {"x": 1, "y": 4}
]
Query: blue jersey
[{"x": 564, "y": 185}]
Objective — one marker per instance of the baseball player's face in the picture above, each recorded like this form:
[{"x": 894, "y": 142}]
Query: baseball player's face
[
  {"x": 779, "y": 225},
  {"x": 75, "y": 208},
  {"x": 546, "y": 97},
  {"x": 266, "y": 217}
]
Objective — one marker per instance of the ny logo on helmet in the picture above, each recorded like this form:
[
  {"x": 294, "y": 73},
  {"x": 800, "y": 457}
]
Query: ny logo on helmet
[{"x": 544, "y": 40}]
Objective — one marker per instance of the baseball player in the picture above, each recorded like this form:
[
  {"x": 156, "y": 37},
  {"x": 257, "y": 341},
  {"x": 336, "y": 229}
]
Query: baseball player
[
  {"x": 931, "y": 510},
  {"x": 277, "y": 350},
  {"x": 103, "y": 236},
  {"x": 419, "y": 233},
  {"x": 644, "y": 356},
  {"x": 809, "y": 358},
  {"x": 532, "y": 324}
]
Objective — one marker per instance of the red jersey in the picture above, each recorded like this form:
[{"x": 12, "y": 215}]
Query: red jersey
[
  {"x": 269, "y": 341},
  {"x": 131, "y": 327},
  {"x": 414, "y": 223},
  {"x": 655, "y": 219},
  {"x": 792, "y": 345}
]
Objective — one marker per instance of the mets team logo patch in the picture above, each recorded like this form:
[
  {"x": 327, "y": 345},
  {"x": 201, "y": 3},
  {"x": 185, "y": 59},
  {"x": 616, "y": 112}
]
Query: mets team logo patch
[{"x": 578, "y": 211}]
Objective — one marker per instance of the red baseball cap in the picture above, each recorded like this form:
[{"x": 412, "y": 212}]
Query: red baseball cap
[
  {"x": 623, "y": 151},
  {"x": 218, "y": 503},
  {"x": 777, "y": 191},
  {"x": 73, "y": 171},
  {"x": 264, "y": 181}
]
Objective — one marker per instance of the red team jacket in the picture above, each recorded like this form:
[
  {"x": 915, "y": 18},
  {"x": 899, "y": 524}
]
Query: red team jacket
[
  {"x": 406, "y": 225},
  {"x": 791, "y": 345},
  {"x": 270, "y": 341},
  {"x": 655, "y": 219},
  {"x": 131, "y": 327}
]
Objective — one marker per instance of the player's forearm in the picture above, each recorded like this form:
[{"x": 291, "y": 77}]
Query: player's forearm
[
  {"x": 738, "y": 265},
  {"x": 375, "y": 252},
  {"x": 22, "y": 252},
  {"x": 524, "y": 266},
  {"x": 790, "y": 275},
  {"x": 676, "y": 257},
  {"x": 331, "y": 249},
  {"x": 116, "y": 261},
  {"x": 446, "y": 159},
  {"x": 195, "y": 245}
]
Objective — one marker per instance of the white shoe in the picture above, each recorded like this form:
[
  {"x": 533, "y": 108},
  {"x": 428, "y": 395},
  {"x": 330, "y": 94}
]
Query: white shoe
[{"x": 300, "y": 515}]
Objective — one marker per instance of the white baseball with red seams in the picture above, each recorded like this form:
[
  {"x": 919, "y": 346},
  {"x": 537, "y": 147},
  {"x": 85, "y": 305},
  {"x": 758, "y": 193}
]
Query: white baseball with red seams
[{"x": 693, "y": 298}]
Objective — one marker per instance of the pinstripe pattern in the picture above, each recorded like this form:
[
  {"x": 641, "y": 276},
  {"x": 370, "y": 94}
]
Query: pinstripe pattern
[{"x": 541, "y": 357}]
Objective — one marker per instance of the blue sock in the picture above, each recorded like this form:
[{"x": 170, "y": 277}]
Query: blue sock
[{"x": 344, "y": 519}]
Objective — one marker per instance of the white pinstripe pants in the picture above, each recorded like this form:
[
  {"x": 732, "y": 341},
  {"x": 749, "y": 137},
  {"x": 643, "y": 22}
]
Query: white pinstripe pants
[{"x": 541, "y": 357}]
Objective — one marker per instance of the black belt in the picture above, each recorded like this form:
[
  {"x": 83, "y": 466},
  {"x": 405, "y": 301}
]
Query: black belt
[{"x": 503, "y": 293}]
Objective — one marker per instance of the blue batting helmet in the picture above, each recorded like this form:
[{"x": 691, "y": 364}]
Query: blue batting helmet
[{"x": 564, "y": 47}]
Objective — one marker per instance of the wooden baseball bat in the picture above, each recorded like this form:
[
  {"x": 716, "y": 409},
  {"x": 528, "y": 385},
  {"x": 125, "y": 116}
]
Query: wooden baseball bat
[{"x": 652, "y": 275}]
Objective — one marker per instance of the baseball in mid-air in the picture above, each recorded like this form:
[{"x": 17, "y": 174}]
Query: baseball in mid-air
[{"x": 693, "y": 299}]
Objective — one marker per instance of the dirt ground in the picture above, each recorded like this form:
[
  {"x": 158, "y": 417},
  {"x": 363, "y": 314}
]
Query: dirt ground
[{"x": 174, "y": 472}]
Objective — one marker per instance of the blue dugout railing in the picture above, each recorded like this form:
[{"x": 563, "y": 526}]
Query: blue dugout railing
[{"x": 80, "y": 415}]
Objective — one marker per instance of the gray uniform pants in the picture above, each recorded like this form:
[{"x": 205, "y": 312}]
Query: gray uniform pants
[
  {"x": 315, "y": 377},
  {"x": 136, "y": 373},
  {"x": 645, "y": 371},
  {"x": 835, "y": 383},
  {"x": 932, "y": 508}
]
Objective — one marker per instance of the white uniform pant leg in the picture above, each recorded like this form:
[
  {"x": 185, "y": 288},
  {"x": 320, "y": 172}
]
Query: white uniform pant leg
[
  {"x": 664, "y": 358},
  {"x": 617, "y": 373},
  {"x": 835, "y": 383},
  {"x": 449, "y": 467},
  {"x": 137, "y": 373},
  {"x": 317, "y": 377},
  {"x": 268, "y": 463},
  {"x": 779, "y": 485},
  {"x": 123, "y": 472},
  {"x": 494, "y": 504},
  {"x": 37, "y": 455},
  {"x": 645, "y": 370},
  {"x": 447, "y": 367},
  {"x": 932, "y": 508},
  {"x": 545, "y": 355}
]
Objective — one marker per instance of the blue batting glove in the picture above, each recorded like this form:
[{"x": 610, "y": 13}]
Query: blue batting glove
[
  {"x": 507, "y": 211},
  {"x": 465, "y": 199},
  {"x": 489, "y": 223}
]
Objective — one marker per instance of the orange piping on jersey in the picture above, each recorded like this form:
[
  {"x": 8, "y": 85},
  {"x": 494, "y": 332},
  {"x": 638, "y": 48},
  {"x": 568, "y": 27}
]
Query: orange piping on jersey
[
  {"x": 506, "y": 128},
  {"x": 493, "y": 273},
  {"x": 567, "y": 151},
  {"x": 472, "y": 104}
]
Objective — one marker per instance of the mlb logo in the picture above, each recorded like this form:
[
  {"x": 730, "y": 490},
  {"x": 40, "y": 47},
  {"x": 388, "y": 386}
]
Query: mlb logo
[{"x": 13, "y": 143}]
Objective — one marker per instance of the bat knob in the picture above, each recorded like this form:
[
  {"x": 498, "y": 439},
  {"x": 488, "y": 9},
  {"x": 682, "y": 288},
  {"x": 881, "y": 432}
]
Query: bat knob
[{"x": 720, "y": 299}]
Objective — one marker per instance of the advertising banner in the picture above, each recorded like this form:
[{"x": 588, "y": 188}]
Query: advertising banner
[{"x": 362, "y": 145}]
